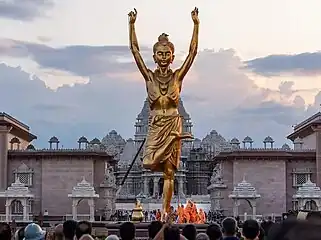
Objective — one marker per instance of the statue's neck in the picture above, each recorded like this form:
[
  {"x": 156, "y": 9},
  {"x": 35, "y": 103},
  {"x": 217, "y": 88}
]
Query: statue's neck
[{"x": 164, "y": 70}]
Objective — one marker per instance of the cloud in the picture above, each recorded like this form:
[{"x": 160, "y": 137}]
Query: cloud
[
  {"x": 303, "y": 64},
  {"x": 26, "y": 10},
  {"x": 218, "y": 94},
  {"x": 79, "y": 60}
]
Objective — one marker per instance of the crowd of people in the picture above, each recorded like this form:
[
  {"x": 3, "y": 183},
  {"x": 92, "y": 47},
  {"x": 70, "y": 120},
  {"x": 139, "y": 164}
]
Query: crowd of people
[{"x": 302, "y": 226}]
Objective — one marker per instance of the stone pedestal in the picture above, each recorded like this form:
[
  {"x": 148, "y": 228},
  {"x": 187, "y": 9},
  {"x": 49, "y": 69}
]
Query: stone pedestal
[
  {"x": 108, "y": 196},
  {"x": 215, "y": 190}
]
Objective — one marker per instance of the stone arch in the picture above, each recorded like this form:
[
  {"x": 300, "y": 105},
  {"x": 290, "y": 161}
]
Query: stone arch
[
  {"x": 18, "y": 198},
  {"x": 244, "y": 191},
  {"x": 82, "y": 208},
  {"x": 15, "y": 143},
  {"x": 311, "y": 205},
  {"x": 308, "y": 196},
  {"x": 151, "y": 187},
  {"x": 83, "y": 191}
]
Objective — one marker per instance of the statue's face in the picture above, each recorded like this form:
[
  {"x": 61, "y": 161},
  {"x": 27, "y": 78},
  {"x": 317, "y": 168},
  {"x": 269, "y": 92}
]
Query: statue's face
[{"x": 163, "y": 56}]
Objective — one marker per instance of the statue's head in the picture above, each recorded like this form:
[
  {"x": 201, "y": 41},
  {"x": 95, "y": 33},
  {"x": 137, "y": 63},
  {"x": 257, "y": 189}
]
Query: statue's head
[{"x": 163, "y": 51}]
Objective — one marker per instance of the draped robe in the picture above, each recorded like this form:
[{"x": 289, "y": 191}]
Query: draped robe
[{"x": 162, "y": 143}]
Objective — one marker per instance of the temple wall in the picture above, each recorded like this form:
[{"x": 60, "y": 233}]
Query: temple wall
[
  {"x": 54, "y": 178},
  {"x": 309, "y": 142},
  {"x": 269, "y": 179}
]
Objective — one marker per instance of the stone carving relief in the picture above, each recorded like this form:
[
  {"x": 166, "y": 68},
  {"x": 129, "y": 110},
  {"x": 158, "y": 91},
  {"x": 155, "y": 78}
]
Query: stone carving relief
[
  {"x": 113, "y": 143},
  {"x": 24, "y": 174},
  {"x": 217, "y": 174},
  {"x": 110, "y": 178}
]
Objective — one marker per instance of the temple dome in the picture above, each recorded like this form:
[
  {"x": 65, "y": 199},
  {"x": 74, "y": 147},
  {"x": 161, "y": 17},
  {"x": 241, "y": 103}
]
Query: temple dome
[
  {"x": 268, "y": 139},
  {"x": 235, "y": 141},
  {"x": 247, "y": 139},
  {"x": 82, "y": 140},
  {"x": 54, "y": 139},
  {"x": 15, "y": 140},
  {"x": 95, "y": 141},
  {"x": 285, "y": 147},
  {"x": 128, "y": 154}
]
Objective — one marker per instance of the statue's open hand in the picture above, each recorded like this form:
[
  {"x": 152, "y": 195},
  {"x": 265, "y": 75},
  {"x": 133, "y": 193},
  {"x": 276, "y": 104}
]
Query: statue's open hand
[
  {"x": 194, "y": 14},
  {"x": 132, "y": 16}
]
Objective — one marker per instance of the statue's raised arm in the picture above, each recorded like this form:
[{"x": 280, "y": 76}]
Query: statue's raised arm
[
  {"x": 182, "y": 71},
  {"x": 134, "y": 45}
]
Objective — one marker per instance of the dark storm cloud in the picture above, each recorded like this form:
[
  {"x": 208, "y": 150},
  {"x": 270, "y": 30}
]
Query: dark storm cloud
[
  {"x": 297, "y": 64},
  {"x": 26, "y": 10}
]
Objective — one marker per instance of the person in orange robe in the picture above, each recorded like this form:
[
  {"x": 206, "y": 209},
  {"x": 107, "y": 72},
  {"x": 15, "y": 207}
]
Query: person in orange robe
[
  {"x": 188, "y": 212},
  {"x": 180, "y": 212},
  {"x": 201, "y": 216},
  {"x": 193, "y": 213}
]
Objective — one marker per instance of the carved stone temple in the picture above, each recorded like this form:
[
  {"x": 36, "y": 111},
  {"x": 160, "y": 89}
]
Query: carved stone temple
[{"x": 34, "y": 180}]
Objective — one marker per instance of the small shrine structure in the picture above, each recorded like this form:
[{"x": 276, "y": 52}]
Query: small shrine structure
[
  {"x": 83, "y": 191},
  {"x": 20, "y": 194},
  {"x": 308, "y": 197},
  {"x": 244, "y": 191}
]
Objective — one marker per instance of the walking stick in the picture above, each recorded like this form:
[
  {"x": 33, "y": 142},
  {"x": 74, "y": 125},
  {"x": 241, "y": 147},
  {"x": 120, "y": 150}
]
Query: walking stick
[{"x": 130, "y": 167}]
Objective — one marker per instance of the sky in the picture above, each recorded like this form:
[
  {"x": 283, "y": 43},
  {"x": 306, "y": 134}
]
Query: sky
[{"x": 66, "y": 69}]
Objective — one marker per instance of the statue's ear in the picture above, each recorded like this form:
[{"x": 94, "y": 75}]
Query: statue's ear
[{"x": 173, "y": 57}]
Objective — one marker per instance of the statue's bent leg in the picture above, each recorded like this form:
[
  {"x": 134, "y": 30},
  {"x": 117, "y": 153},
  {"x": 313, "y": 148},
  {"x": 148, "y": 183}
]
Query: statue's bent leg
[{"x": 169, "y": 173}]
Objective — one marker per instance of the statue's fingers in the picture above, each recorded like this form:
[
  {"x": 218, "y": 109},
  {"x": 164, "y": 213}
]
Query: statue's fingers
[{"x": 135, "y": 10}]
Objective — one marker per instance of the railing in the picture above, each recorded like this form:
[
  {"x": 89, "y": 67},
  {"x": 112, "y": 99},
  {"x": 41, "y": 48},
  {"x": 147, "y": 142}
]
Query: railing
[
  {"x": 16, "y": 217},
  {"x": 80, "y": 217}
]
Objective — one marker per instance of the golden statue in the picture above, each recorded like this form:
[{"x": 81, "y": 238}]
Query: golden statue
[
  {"x": 137, "y": 214},
  {"x": 163, "y": 144}
]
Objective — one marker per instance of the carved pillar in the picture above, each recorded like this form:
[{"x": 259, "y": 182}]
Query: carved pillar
[
  {"x": 236, "y": 207},
  {"x": 156, "y": 190},
  {"x": 8, "y": 210},
  {"x": 91, "y": 204},
  {"x": 253, "y": 202},
  {"x": 317, "y": 130},
  {"x": 4, "y": 130},
  {"x": 301, "y": 204},
  {"x": 25, "y": 209},
  {"x": 74, "y": 209},
  {"x": 181, "y": 187},
  {"x": 146, "y": 192}
]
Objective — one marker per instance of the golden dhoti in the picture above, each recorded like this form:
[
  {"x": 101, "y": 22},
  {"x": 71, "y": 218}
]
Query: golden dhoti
[{"x": 163, "y": 143}]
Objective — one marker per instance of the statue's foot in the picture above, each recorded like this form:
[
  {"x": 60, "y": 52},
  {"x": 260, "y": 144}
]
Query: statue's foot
[
  {"x": 187, "y": 136},
  {"x": 182, "y": 136}
]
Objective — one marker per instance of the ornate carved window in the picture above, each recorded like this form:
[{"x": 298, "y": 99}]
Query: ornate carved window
[
  {"x": 301, "y": 176},
  {"x": 24, "y": 174}
]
